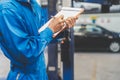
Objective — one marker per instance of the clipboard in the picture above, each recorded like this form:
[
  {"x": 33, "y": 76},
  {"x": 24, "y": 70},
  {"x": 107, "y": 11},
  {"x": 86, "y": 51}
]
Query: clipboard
[{"x": 67, "y": 12}]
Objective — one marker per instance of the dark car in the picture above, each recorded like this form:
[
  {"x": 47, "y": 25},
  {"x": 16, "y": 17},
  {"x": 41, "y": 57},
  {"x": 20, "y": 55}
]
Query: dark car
[{"x": 95, "y": 37}]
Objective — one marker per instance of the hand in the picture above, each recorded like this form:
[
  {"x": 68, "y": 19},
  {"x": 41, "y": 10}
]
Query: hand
[
  {"x": 63, "y": 24},
  {"x": 56, "y": 23},
  {"x": 70, "y": 22}
]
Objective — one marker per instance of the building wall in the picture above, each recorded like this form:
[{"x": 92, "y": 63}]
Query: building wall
[{"x": 66, "y": 3}]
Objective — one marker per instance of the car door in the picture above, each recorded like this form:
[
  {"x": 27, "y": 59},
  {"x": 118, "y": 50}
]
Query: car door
[
  {"x": 80, "y": 38},
  {"x": 92, "y": 36},
  {"x": 81, "y": 41},
  {"x": 96, "y": 37}
]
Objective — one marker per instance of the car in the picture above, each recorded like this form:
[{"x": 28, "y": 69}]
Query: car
[{"x": 95, "y": 37}]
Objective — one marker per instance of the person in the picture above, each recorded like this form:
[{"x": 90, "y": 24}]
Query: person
[{"x": 20, "y": 40}]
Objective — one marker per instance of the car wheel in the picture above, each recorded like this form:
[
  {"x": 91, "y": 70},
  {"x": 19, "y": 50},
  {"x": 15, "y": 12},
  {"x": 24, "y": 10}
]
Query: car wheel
[{"x": 114, "y": 47}]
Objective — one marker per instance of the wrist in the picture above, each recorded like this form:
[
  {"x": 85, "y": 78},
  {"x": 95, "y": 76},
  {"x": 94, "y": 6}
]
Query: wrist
[{"x": 51, "y": 29}]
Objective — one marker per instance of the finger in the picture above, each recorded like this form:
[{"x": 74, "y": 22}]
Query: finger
[
  {"x": 61, "y": 24},
  {"x": 68, "y": 24},
  {"x": 70, "y": 21},
  {"x": 61, "y": 17},
  {"x": 61, "y": 21},
  {"x": 73, "y": 20},
  {"x": 81, "y": 11}
]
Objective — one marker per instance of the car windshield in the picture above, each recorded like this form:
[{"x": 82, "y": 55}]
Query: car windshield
[{"x": 87, "y": 28}]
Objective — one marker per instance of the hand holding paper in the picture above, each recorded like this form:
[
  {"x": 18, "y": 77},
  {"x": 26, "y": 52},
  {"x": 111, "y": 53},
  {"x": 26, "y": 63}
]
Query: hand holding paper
[
  {"x": 70, "y": 20},
  {"x": 64, "y": 19},
  {"x": 56, "y": 23}
]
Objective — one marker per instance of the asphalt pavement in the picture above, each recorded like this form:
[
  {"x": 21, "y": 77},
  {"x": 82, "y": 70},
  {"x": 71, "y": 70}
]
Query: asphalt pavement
[
  {"x": 4, "y": 66},
  {"x": 97, "y": 66},
  {"x": 87, "y": 66}
]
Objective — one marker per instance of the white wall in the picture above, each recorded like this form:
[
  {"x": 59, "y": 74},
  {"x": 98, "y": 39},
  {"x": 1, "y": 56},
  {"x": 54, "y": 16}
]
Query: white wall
[
  {"x": 110, "y": 21},
  {"x": 66, "y": 3}
]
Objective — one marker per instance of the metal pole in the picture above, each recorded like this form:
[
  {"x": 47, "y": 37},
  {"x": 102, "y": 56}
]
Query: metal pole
[
  {"x": 52, "y": 68},
  {"x": 67, "y": 50}
]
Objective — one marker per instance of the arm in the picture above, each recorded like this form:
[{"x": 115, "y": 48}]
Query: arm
[{"x": 20, "y": 45}]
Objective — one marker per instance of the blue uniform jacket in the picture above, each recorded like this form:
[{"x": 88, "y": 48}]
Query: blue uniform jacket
[{"x": 20, "y": 40}]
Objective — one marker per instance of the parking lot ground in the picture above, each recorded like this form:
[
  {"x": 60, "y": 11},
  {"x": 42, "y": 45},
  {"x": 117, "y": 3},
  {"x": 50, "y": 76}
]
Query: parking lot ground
[
  {"x": 87, "y": 66},
  {"x": 96, "y": 66},
  {"x": 4, "y": 66}
]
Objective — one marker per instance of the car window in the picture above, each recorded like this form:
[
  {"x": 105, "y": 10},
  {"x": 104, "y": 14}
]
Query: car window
[
  {"x": 93, "y": 29},
  {"x": 76, "y": 29},
  {"x": 80, "y": 29},
  {"x": 89, "y": 28},
  {"x": 97, "y": 30}
]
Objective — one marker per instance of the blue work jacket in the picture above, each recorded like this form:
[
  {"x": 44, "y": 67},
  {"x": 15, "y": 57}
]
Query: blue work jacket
[{"x": 20, "y": 40}]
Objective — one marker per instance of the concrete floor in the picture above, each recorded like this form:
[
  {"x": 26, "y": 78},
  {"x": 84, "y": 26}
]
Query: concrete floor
[{"x": 87, "y": 66}]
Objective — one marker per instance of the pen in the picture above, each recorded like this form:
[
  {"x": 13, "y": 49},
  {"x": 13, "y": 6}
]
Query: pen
[{"x": 63, "y": 28}]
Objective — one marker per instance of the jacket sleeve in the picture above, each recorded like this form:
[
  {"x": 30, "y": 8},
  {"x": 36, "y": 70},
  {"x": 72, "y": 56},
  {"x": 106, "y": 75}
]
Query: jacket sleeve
[{"x": 19, "y": 44}]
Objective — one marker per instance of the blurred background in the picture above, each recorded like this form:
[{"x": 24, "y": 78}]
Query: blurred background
[{"x": 90, "y": 50}]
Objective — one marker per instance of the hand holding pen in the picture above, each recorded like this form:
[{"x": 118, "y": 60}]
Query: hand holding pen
[{"x": 58, "y": 24}]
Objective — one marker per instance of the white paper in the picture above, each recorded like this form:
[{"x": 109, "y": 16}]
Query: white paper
[{"x": 67, "y": 12}]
